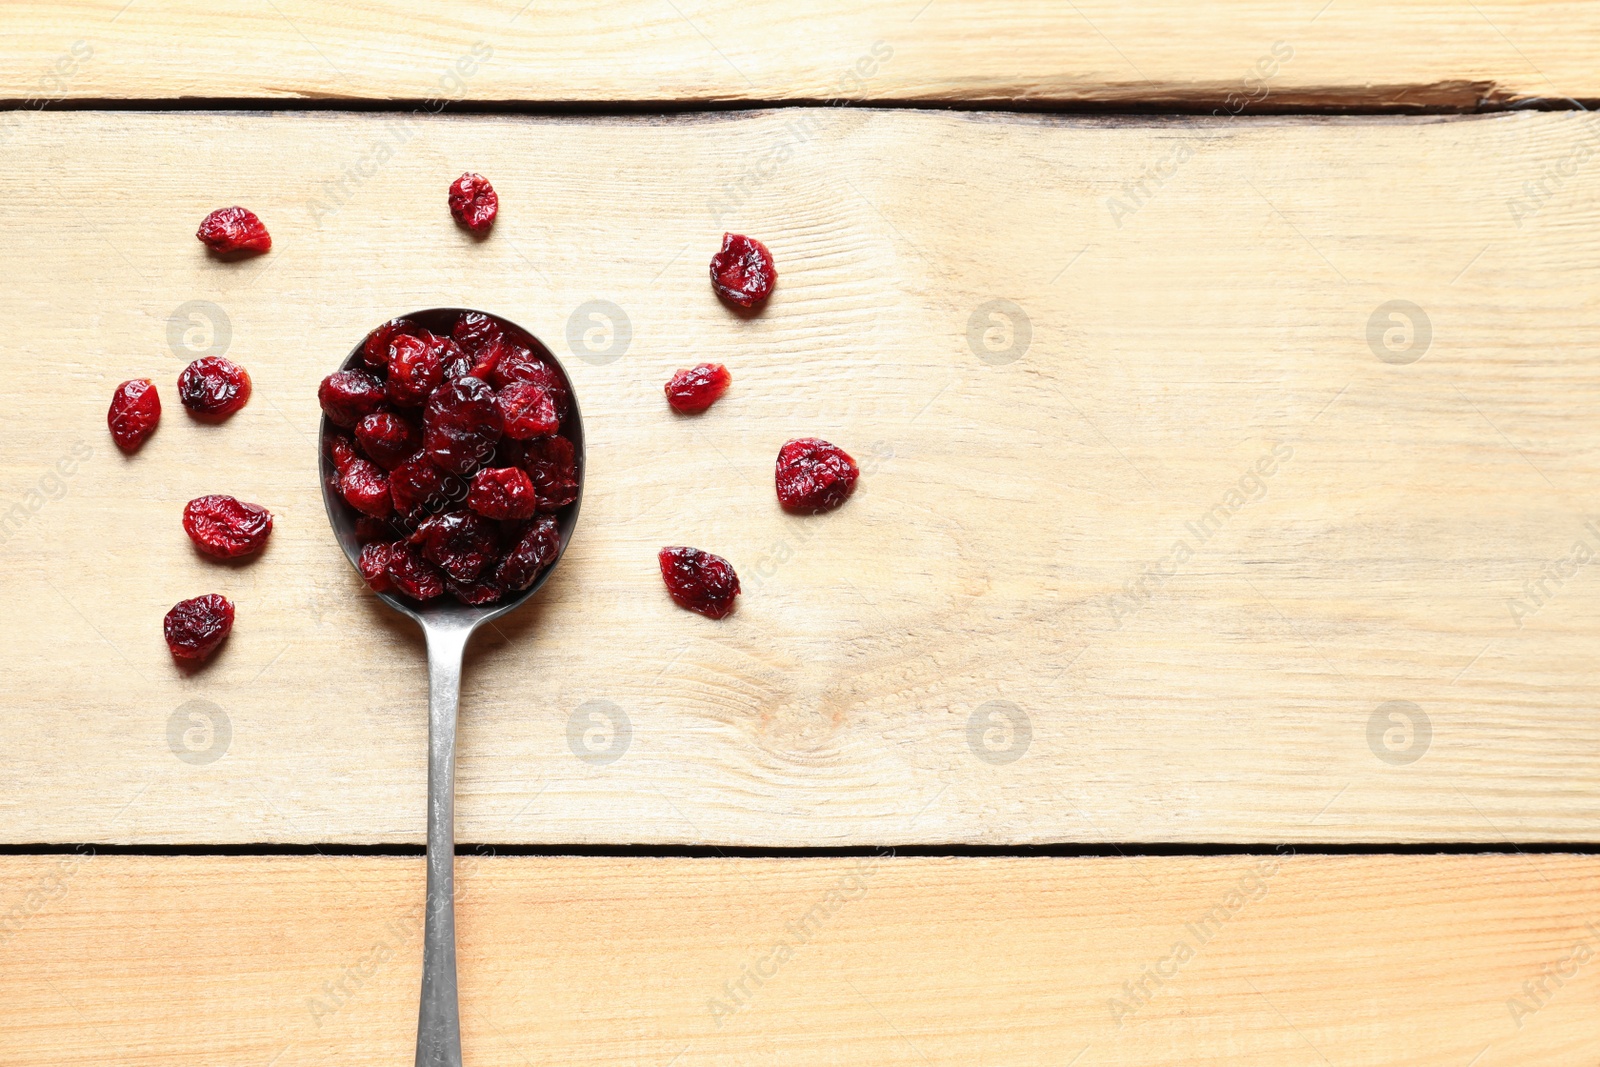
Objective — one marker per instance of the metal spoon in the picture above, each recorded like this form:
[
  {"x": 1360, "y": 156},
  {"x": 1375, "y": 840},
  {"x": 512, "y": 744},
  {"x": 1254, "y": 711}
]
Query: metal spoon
[{"x": 446, "y": 625}]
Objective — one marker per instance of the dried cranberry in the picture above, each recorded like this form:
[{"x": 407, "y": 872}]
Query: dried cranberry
[
  {"x": 341, "y": 449},
  {"x": 375, "y": 349},
  {"x": 699, "y": 581},
  {"x": 552, "y": 466},
  {"x": 473, "y": 202},
  {"x": 135, "y": 411},
  {"x": 387, "y": 439},
  {"x": 692, "y": 391},
  {"x": 502, "y": 493},
  {"x": 224, "y": 527},
  {"x": 458, "y": 542},
  {"x": 414, "y": 372},
  {"x": 474, "y": 331},
  {"x": 418, "y": 486},
  {"x": 365, "y": 487},
  {"x": 519, "y": 364},
  {"x": 234, "y": 229},
  {"x": 461, "y": 425},
  {"x": 527, "y": 411},
  {"x": 413, "y": 575},
  {"x": 483, "y": 591},
  {"x": 195, "y": 627},
  {"x": 814, "y": 476},
  {"x": 742, "y": 273},
  {"x": 213, "y": 387},
  {"x": 535, "y": 550},
  {"x": 348, "y": 396},
  {"x": 374, "y": 566}
]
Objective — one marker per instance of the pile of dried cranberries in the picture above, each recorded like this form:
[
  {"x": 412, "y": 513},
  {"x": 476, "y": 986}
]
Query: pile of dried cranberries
[{"x": 448, "y": 437}]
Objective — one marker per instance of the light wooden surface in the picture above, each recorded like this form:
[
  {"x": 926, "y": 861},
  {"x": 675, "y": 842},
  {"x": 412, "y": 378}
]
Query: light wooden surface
[
  {"x": 1224, "y": 55},
  {"x": 1004, "y": 511},
  {"x": 1264, "y": 960}
]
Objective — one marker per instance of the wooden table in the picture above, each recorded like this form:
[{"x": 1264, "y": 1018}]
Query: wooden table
[{"x": 1203, "y": 673}]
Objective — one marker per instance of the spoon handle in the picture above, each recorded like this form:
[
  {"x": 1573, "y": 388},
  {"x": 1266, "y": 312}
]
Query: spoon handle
[{"x": 439, "y": 1018}]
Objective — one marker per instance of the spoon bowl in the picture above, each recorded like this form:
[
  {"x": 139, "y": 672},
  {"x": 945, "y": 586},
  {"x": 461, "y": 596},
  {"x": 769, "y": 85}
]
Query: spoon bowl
[{"x": 447, "y": 624}]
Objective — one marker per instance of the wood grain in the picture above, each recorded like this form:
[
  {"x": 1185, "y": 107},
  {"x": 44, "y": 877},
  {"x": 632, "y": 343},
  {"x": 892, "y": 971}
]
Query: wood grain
[
  {"x": 1248, "y": 960},
  {"x": 1200, "y": 369},
  {"x": 1221, "y": 55}
]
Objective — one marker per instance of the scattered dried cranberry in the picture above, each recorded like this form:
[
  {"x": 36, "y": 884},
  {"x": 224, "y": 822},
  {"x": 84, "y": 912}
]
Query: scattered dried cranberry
[
  {"x": 552, "y": 467},
  {"x": 374, "y": 566},
  {"x": 234, "y": 229},
  {"x": 502, "y": 493},
  {"x": 461, "y": 424},
  {"x": 692, "y": 391},
  {"x": 527, "y": 411},
  {"x": 224, "y": 527},
  {"x": 473, "y": 202},
  {"x": 194, "y": 628},
  {"x": 535, "y": 550},
  {"x": 458, "y": 542},
  {"x": 387, "y": 439},
  {"x": 483, "y": 591},
  {"x": 414, "y": 372},
  {"x": 814, "y": 476},
  {"x": 135, "y": 411},
  {"x": 742, "y": 273},
  {"x": 699, "y": 581},
  {"x": 413, "y": 575},
  {"x": 213, "y": 388},
  {"x": 365, "y": 487}
]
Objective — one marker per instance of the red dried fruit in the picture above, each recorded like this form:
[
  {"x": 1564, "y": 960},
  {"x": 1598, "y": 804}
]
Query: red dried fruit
[
  {"x": 482, "y": 340},
  {"x": 365, "y": 487},
  {"x": 473, "y": 202},
  {"x": 213, "y": 388},
  {"x": 224, "y": 527},
  {"x": 502, "y": 493},
  {"x": 460, "y": 425},
  {"x": 234, "y": 229},
  {"x": 374, "y": 566},
  {"x": 135, "y": 411},
  {"x": 520, "y": 364},
  {"x": 552, "y": 467},
  {"x": 535, "y": 550},
  {"x": 387, "y": 439},
  {"x": 458, "y": 542},
  {"x": 414, "y": 372},
  {"x": 413, "y": 575},
  {"x": 418, "y": 486},
  {"x": 692, "y": 391},
  {"x": 814, "y": 476},
  {"x": 743, "y": 272},
  {"x": 375, "y": 349},
  {"x": 348, "y": 396},
  {"x": 483, "y": 591},
  {"x": 699, "y": 581},
  {"x": 527, "y": 411},
  {"x": 340, "y": 449},
  {"x": 194, "y": 628}
]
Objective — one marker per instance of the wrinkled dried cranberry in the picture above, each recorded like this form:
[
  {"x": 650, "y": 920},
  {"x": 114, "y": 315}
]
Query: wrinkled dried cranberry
[
  {"x": 458, "y": 542},
  {"x": 519, "y": 364},
  {"x": 224, "y": 527},
  {"x": 527, "y": 411},
  {"x": 502, "y": 493},
  {"x": 365, "y": 487},
  {"x": 348, "y": 396},
  {"x": 413, "y": 575},
  {"x": 461, "y": 424},
  {"x": 483, "y": 591},
  {"x": 374, "y": 566},
  {"x": 213, "y": 387},
  {"x": 387, "y": 439},
  {"x": 552, "y": 467},
  {"x": 234, "y": 229},
  {"x": 743, "y": 273},
  {"x": 535, "y": 550},
  {"x": 195, "y": 627},
  {"x": 474, "y": 331},
  {"x": 813, "y": 475},
  {"x": 135, "y": 411},
  {"x": 699, "y": 581},
  {"x": 418, "y": 486},
  {"x": 692, "y": 391},
  {"x": 473, "y": 202},
  {"x": 375, "y": 349},
  {"x": 414, "y": 372},
  {"x": 341, "y": 449}
]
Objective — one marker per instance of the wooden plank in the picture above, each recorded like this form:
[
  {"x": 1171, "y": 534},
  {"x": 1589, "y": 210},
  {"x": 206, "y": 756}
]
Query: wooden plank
[
  {"x": 1373, "y": 546},
  {"x": 1227, "y": 55},
  {"x": 1250, "y": 960}
]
